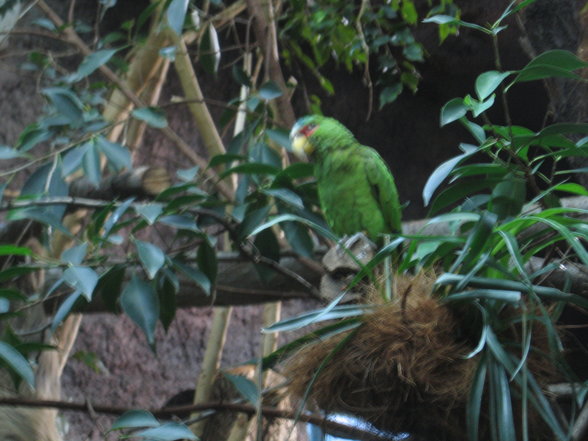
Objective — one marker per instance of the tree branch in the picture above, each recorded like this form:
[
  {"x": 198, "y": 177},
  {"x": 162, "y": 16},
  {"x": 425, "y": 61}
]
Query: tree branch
[{"x": 269, "y": 412}]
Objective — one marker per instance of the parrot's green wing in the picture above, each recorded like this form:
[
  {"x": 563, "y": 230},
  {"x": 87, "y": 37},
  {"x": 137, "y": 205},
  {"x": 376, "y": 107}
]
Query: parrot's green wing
[{"x": 383, "y": 189}]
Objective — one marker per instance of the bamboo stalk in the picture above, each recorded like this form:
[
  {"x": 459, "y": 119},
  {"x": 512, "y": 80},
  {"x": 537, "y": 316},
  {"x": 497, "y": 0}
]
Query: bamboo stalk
[{"x": 193, "y": 93}]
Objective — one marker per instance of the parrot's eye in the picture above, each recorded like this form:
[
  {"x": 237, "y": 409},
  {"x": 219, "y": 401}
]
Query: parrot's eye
[{"x": 308, "y": 129}]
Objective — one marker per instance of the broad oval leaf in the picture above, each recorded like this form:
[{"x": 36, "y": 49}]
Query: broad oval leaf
[
  {"x": 150, "y": 212},
  {"x": 140, "y": 302},
  {"x": 247, "y": 388},
  {"x": 133, "y": 419},
  {"x": 118, "y": 155},
  {"x": 210, "y": 53},
  {"x": 153, "y": 116},
  {"x": 75, "y": 255},
  {"x": 168, "y": 432},
  {"x": 453, "y": 110},
  {"x": 10, "y": 153},
  {"x": 81, "y": 278},
  {"x": 151, "y": 257},
  {"x": 17, "y": 363},
  {"x": 66, "y": 103},
  {"x": 196, "y": 275},
  {"x": 176, "y": 15},
  {"x": 487, "y": 83},
  {"x": 92, "y": 62},
  {"x": 270, "y": 90}
]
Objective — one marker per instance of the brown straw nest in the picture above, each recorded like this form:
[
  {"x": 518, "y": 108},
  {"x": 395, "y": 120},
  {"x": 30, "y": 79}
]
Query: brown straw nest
[{"x": 403, "y": 369}]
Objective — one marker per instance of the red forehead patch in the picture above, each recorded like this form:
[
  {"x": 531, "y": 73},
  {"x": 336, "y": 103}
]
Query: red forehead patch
[{"x": 308, "y": 129}]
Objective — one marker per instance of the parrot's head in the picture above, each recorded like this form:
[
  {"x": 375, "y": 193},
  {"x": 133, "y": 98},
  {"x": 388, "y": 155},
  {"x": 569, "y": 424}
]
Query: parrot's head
[{"x": 313, "y": 133}]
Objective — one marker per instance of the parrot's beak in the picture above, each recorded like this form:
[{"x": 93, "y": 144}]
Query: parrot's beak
[{"x": 301, "y": 146}]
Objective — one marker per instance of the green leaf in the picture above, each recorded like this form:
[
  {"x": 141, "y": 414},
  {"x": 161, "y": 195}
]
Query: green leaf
[
  {"x": 487, "y": 83},
  {"x": 476, "y": 130},
  {"x": 65, "y": 308},
  {"x": 109, "y": 286},
  {"x": 508, "y": 197},
  {"x": 409, "y": 12},
  {"x": 116, "y": 216},
  {"x": 167, "y": 291},
  {"x": 81, "y": 278},
  {"x": 269, "y": 91},
  {"x": 567, "y": 235},
  {"x": 240, "y": 76},
  {"x": 182, "y": 222},
  {"x": 17, "y": 363},
  {"x": 247, "y": 388},
  {"x": 441, "y": 172},
  {"x": 91, "y": 164},
  {"x": 66, "y": 103},
  {"x": 10, "y": 153},
  {"x": 287, "y": 196},
  {"x": 167, "y": 432},
  {"x": 487, "y": 294},
  {"x": 207, "y": 261},
  {"x": 150, "y": 212},
  {"x": 209, "y": 50},
  {"x": 73, "y": 158},
  {"x": 133, "y": 419},
  {"x": 75, "y": 255},
  {"x": 92, "y": 62},
  {"x": 321, "y": 333},
  {"x": 479, "y": 107},
  {"x": 558, "y": 58},
  {"x": 571, "y": 187},
  {"x": 453, "y": 110},
  {"x": 291, "y": 217},
  {"x": 390, "y": 93},
  {"x": 540, "y": 72},
  {"x": 118, "y": 155},
  {"x": 153, "y": 116},
  {"x": 140, "y": 302},
  {"x": 329, "y": 312},
  {"x": 176, "y": 15},
  {"x": 151, "y": 257},
  {"x": 298, "y": 237},
  {"x": 196, "y": 275},
  {"x": 280, "y": 136},
  {"x": 31, "y": 136},
  {"x": 12, "y": 250},
  {"x": 251, "y": 168},
  {"x": 474, "y": 404}
]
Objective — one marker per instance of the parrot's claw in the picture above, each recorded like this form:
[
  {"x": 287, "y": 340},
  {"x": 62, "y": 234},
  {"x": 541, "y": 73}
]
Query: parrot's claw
[{"x": 356, "y": 243}]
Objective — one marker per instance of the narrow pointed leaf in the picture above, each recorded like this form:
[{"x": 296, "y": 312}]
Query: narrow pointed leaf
[
  {"x": 133, "y": 419},
  {"x": 151, "y": 257},
  {"x": 167, "y": 432},
  {"x": 17, "y": 363},
  {"x": 140, "y": 302},
  {"x": 81, "y": 278}
]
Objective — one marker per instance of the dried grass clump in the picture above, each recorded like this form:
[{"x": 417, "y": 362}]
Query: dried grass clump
[{"x": 403, "y": 370}]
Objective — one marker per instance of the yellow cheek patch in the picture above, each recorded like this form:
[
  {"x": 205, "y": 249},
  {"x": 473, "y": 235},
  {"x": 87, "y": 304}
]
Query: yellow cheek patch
[{"x": 301, "y": 147}]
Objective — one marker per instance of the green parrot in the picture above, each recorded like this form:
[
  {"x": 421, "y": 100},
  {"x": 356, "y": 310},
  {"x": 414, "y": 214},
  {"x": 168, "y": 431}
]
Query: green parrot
[{"x": 356, "y": 190}]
